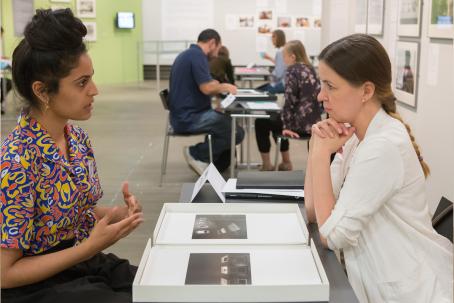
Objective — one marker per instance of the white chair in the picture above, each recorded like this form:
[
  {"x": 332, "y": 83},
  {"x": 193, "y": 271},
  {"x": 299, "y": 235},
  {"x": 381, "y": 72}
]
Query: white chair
[{"x": 169, "y": 132}]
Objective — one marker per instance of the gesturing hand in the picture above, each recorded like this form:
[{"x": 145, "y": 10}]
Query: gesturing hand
[
  {"x": 131, "y": 201},
  {"x": 105, "y": 233}
]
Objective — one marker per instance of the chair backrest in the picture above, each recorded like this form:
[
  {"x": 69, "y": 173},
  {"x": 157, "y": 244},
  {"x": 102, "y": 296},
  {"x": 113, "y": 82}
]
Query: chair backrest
[
  {"x": 442, "y": 219},
  {"x": 164, "y": 95}
]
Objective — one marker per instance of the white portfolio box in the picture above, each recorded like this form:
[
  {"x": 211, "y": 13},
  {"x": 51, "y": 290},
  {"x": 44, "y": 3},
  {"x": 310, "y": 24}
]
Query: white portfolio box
[{"x": 230, "y": 253}]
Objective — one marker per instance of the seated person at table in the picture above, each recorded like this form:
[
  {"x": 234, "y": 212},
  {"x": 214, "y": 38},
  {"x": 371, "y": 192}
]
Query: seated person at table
[
  {"x": 53, "y": 231},
  {"x": 221, "y": 68},
  {"x": 191, "y": 88},
  {"x": 301, "y": 108},
  {"x": 276, "y": 85},
  {"x": 371, "y": 201}
]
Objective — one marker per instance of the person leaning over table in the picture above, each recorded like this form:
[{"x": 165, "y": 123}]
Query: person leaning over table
[
  {"x": 53, "y": 231},
  {"x": 276, "y": 85},
  {"x": 301, "y": 108},
  {"x": 221, "y": 68},
  {"x": 190, "y": 89},
  {"x": 371, "y": 202}
]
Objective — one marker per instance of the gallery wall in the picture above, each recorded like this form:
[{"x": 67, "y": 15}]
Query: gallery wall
[
  {"x": 191, "y": 16},
  {"x": 114, "y": 53},
  {"x": 431, "y": 117}
]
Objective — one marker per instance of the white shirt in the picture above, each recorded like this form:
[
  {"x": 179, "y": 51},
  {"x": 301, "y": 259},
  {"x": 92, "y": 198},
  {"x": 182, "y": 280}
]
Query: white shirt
[{"x": 382, "y": 222}]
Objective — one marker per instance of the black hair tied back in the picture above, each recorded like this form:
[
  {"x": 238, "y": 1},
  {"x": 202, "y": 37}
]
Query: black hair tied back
[
  {"x": 51, "y": 48},
  {"x": 54, "y": 30}
]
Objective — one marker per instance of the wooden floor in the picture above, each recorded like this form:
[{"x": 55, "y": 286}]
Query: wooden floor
[{"x": 126, "y": 130}]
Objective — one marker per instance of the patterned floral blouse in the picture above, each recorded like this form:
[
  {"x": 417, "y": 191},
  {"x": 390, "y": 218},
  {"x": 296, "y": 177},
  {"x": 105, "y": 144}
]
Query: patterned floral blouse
[
  {"x": 301, "y": 108},
  {"x": 45, "y": 198}
]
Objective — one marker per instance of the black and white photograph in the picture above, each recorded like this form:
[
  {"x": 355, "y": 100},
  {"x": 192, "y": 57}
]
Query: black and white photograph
[
  {"x": 219, "y": 269},
  {"x": 86, "y": 8},
  {"x": 375, "y": 14},
  {"x": 360, "y": 16},
  {"x": 91, "y": 31},
  {"x": 246, "y": 21},
  {"x": 441, "y": 19},
  {"x": 406, "y": 72},
  {"x": 220, "y": 227},
  {"x": 409, "y": 18}
]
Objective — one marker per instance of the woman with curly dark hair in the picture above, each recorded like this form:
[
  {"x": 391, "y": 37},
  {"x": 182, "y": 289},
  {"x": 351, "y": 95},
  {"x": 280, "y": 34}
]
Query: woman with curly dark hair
[{"x": 53, "y": 231}]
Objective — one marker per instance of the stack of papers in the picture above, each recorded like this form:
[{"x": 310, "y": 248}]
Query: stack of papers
[
  {"x": 231, "y": 191},
  {"x": 263, "y": 105}
]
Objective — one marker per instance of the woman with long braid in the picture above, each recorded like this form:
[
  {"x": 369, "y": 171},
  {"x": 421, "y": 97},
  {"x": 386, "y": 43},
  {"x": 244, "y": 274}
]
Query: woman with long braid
[{"x": 370, "y": 202}]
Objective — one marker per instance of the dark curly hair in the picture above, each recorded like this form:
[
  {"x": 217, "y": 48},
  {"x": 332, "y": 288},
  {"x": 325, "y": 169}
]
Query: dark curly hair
[{"x": 51, "y": 47}]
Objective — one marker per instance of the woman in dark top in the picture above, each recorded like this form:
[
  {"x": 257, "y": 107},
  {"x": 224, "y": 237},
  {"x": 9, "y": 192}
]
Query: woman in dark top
[
  {"x": 221, "y": 68},
  {"x": 301, "y": 108}
]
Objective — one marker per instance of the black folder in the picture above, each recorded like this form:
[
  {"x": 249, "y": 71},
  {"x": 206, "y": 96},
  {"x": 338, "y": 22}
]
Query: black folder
[{"x": 271, "y": 179}]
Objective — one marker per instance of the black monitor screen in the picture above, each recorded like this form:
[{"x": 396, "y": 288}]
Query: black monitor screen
[{"x": 125, "y": 20}]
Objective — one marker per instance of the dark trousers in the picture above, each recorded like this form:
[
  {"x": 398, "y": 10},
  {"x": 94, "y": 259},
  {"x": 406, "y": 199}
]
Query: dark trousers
[
  {"x": 219, "y": 126},
  {"x": 103, "y": 278},
  {"x": 263, "y": 128}
]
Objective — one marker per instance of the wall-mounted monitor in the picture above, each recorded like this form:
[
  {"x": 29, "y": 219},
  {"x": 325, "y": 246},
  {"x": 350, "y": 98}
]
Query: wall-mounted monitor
[{"x": 125, "y": 20}]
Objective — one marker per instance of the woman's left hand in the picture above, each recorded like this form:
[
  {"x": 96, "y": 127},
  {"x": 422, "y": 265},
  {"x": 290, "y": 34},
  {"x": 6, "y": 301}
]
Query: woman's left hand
[
  {"x": 330, "y": 135},
  {"x": 131, "y": 201}
]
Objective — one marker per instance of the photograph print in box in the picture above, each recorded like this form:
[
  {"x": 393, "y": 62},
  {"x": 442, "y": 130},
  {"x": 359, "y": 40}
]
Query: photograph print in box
[
  {"x": 406, "y": 71},
  {"x": 409, "y": 18},
  {"x": 220, "y": 227},
  {"x": 219, "y": 269}
]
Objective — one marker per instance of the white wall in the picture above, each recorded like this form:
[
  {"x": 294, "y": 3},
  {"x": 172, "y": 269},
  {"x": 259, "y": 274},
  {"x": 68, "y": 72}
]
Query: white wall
[
  {"x": 241, "y": 42},
  {"x": 432, "y": 121}
]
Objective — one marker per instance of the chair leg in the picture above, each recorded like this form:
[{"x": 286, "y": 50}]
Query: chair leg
[
  {"x": 276, "y": 156},
  {"x": 165, "y": 152},
  {"x": 210, "y": 146}
]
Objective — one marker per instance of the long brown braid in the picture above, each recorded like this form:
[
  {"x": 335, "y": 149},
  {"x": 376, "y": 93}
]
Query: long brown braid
[{"x": 359, "y": 58}]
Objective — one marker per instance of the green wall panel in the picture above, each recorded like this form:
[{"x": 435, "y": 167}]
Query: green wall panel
[{"x": 115, "y": 52}]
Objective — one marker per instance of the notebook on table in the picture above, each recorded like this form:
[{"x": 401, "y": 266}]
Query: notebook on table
[{"x": 271, "y": 179}]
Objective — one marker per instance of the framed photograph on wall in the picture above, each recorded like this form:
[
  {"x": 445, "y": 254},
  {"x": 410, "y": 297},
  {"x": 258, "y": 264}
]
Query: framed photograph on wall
[
  {"x": 441, "y": 19},
  {"x": 91, "y": 31},
  {"x": 375, "y": 16},
  {"x": 406, "y": 72},
  {"x": 409, "y": 18},
  {"x": 86, "y": 8},
  {"x": 361, "y": 16}
]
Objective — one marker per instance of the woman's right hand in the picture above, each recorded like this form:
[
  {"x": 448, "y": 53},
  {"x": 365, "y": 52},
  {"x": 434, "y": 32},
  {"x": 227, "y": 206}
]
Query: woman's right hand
[
  {"x": 105, "y": 233},
  {"x": 289, "y": 133}
]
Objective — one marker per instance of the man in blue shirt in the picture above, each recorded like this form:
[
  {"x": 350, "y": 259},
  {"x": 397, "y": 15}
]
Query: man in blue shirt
[{"x": 191, "y": 88}]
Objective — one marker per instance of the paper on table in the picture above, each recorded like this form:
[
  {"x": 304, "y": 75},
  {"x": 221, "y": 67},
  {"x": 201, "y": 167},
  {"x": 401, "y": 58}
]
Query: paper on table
[
  {"x": 230, "y": 187},
  {"x": 212, "y": 175},
  {"x": 227, "y": 101},
  {"x": 262, "y": 105}
]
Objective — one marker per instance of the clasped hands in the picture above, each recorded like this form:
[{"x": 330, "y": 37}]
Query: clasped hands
[{"x": 328, "y": 136}]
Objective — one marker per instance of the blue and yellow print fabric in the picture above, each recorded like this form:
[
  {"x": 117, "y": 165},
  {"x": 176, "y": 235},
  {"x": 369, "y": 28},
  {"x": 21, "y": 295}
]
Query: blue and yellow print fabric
[{"x": 45, "y": 197}]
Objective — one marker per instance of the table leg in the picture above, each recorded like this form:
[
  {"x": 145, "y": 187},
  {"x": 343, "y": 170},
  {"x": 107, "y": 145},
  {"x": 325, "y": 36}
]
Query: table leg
[{"x": 232, "y": 147}]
